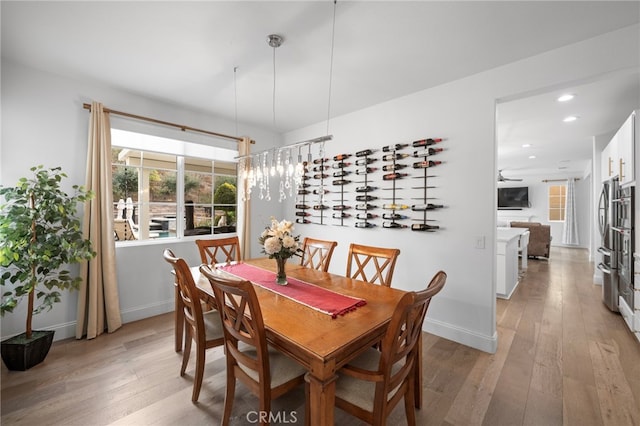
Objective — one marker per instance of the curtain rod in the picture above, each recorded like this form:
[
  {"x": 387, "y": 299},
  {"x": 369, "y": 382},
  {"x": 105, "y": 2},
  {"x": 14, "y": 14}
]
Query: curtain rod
[
  {"x": 166, "y": 123},
  {"x": 558, "y": 180}
]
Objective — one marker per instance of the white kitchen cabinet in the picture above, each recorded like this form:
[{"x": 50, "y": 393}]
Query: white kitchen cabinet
[
  {"x": 607, "y": 159},
  {"x": 617, "y": 158},
  {"x": 625, "y": 148}
]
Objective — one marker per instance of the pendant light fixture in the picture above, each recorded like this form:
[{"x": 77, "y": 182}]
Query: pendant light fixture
[{"x": 260, "y": 168}]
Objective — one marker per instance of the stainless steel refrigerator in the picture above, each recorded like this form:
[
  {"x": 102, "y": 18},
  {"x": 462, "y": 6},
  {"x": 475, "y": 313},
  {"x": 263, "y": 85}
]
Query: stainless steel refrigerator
[{"x": 609, "y": 266}]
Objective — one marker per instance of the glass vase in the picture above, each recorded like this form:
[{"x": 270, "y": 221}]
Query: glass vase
[{"x": 281, "y": 275}]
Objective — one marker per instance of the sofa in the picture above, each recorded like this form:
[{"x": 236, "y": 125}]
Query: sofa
[{"x": 539, "y": 238}]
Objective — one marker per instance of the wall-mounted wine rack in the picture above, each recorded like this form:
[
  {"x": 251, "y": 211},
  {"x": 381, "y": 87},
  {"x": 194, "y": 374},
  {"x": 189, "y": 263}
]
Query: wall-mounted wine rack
[
  {"x": 393, "y": 174},
  {"x": 302, "y": 215},
  {"x": 366, "y": 199},
  {"x": 341, "y": 177},
  {"x": 423, "y": 154}
]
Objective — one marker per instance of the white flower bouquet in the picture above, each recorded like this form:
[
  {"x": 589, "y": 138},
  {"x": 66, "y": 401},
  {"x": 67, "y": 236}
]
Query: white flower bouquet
[{"x": 278, "y": 242}]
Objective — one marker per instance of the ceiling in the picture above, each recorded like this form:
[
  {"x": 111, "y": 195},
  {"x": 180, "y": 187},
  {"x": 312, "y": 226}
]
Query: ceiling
[{"x": 185, "y": 53}]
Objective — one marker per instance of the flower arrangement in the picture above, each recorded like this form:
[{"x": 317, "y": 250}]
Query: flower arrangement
[{"x": 278, "y": 242}]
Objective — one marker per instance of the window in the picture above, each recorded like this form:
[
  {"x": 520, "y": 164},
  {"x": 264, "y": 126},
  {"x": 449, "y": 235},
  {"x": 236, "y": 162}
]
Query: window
[
  {"x": 152, "y": 189},
  {"x": 557, "y": 201}
]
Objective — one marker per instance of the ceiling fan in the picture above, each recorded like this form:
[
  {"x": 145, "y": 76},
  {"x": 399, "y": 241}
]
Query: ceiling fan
[{"x": 504, "y": 179}]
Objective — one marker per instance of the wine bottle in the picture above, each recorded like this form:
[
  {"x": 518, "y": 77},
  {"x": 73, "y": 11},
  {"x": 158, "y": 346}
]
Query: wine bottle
[
  {"x": 392, "y": 167},
  {"x": 364, "y": 161},
  {"x": 341, "y": 157},
  {"x": 425, "y": 164},
  {"x": 393, "y": 176},
  {"x": 394, "y": 216},
  {"x": 320, "y": 168},
  {"x": 423, "y": 227},
  {"x": 423, "y": 207},
  {"x": 320, "y": 160},
  {"x": 366, "y": 188},
  {"x": 300, "y": 220},
  {"x": 341, "y": 207},
  {"x": 365, "y": 198},
  {"x": 303, "y": 214},
  {"x": 341, "y": 182},
  {"x": 365, "y": 206},
  {"x": 390, "y": 157},
  {"x": 395, "y": 147},
  {"x": 341, "y": 215},
  {"x": 426, "y": 142},
  {"x": 341, "y": 173},
  {"x": 393, "y": 225},
  {"x": 366, "y": 216},
  {"x": 304, "y": 185},
  {"x": 364, "y": 153},
  {"x": 395, "y": 206},
  {"x": 320, "y": 176},
  {"x": 340, "y": 165},
  {"x": 305, "y": 177},
  {"x": 320, "y": 191},
  {"x": 366, "y": 170},
  {"x": 365, "y": 225},
  {"x": 303, "y": 191},
  {"x": 427, "y": 152},
  {"x": 302, "y": 206},
  {"x": 320, "y": 207}
]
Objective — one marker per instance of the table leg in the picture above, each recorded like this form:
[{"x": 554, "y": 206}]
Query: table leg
[
  {"x": 320, "y": 400},
  {"x": 179, "y": 319}
]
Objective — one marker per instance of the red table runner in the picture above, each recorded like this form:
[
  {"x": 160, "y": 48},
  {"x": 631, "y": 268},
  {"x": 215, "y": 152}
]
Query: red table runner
[{"x": 318, "y": 298}]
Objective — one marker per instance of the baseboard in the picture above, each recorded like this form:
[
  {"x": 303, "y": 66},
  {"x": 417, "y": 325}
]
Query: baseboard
[
  {"x": 147, "y": 311},
  {"x": 68, "y": 330},
  {"x": 463, "y": 336}
]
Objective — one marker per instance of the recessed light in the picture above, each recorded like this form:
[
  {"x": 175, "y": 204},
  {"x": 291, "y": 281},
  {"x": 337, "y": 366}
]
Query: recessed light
[
  {"x": 566, "y": 97},
  {"x": 526, "y": 145},
  {"x": 570, "y": 118},
  {"x": 532, "y": 157}
]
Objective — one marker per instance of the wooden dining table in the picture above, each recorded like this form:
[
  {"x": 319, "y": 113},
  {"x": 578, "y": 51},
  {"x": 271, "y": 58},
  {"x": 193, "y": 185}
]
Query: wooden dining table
[{"x": 317, "y": 341}]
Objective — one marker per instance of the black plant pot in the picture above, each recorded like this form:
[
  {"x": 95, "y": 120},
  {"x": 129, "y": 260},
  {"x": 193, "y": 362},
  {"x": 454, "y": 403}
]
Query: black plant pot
[{"x": 19, "y": 354}]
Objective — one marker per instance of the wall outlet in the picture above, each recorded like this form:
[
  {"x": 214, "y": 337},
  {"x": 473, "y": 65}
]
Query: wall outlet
[{"x": 480, "y": 243}]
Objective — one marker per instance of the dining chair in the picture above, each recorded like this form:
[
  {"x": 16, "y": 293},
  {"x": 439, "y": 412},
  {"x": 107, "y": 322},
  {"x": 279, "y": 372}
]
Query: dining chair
[
  {"x": 204, "y": 328},
  {"x": 371, "y": 264},
  {"x": 266, "y": 372},
  {"x": 372, "y": 384},
  {"x": 316, "y": 254},
  {"x": 219, "y": 250}
]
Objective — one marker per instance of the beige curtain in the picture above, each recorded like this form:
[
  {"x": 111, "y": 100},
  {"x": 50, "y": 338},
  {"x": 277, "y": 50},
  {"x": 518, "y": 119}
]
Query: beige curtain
[
  {"x": 98, "y": 297},
  {"x": 244, "y": 207}
]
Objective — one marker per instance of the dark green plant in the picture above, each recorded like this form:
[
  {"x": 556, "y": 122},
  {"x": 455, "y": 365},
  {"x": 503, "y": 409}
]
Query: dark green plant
[
  {"x": 40, "y": 234},
  {"x": 225, "y": 194}
]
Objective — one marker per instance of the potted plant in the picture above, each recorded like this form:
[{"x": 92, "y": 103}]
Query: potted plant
[{"x": 40, "y": 234}]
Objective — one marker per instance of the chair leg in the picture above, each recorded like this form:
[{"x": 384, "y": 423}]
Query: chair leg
[
  {"x": 265, "y": 406},
  {"x": 418, "y": 375},
  {"x": 186, "y": 352},
  {"x": 229, "y": 395},
  {"x": 197, "y": 382},
  {"x": 179, "y": 322},
  {"x": 409, "y": 404}
]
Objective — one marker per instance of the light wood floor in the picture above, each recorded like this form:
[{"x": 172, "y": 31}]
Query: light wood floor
[{"x": 563, "y": 359}]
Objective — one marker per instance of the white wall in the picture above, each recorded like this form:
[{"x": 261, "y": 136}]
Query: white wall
[
  {"x": 463, "y": 113},
  {"x": 43, "y": 122}
]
